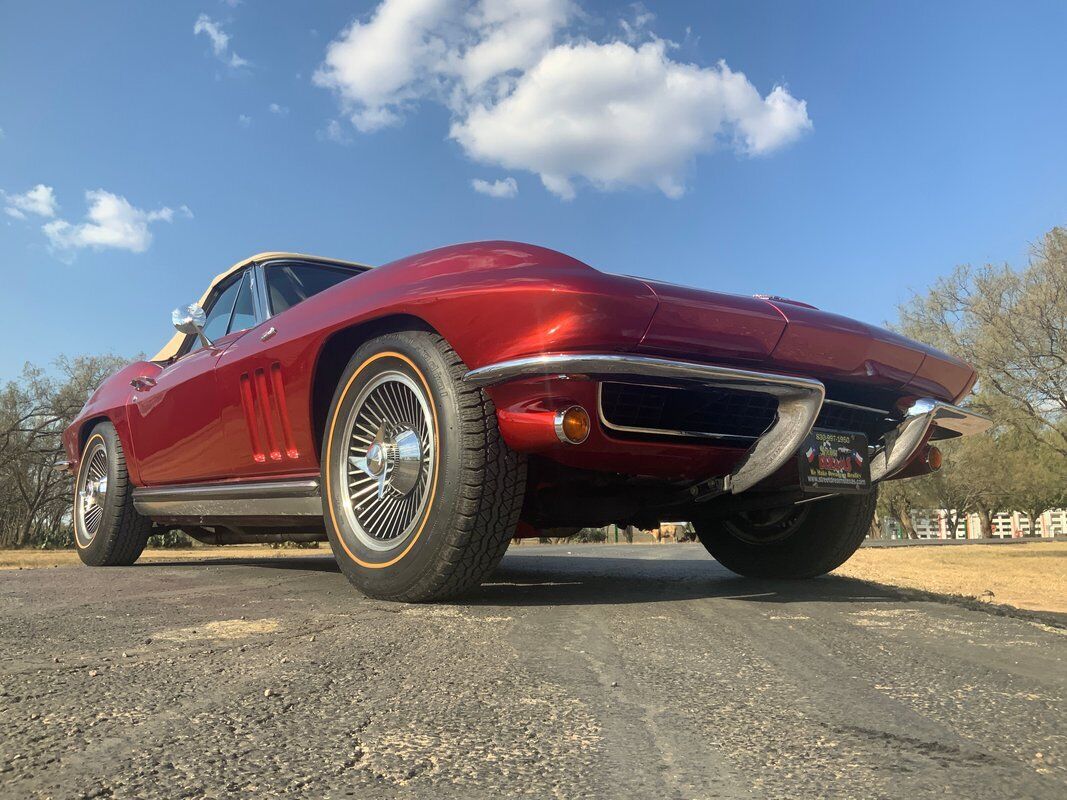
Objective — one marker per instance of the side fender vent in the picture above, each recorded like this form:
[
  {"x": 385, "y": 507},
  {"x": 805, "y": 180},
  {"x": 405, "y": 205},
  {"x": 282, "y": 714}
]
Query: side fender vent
[{"x": 266, "y": 412}]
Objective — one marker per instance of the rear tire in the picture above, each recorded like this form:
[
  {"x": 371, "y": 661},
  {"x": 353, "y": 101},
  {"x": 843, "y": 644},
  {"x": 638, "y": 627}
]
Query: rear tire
[
  {"x": 800, "y": 542},
  {"x": 428, "y": 514},
  {"x": 108, "y": 531}
]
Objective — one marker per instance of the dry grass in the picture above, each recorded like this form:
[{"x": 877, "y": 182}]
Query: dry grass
[
  {"x": 35, "y": 559},
  {"x": 1031, "y": 576}
]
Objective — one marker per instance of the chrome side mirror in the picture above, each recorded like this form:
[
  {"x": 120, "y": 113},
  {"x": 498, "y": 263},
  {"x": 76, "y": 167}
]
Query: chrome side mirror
[{"x": 191, "y": 320}]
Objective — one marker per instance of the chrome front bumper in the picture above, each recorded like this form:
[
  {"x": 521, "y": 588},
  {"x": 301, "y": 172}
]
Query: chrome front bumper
[
  {"x": 799, "y": 403},
  {"x": 799, "y": 399},
  {"x": 924, "y": 415}
]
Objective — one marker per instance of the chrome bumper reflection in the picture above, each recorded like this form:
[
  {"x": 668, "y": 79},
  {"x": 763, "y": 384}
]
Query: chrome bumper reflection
[
  {"x": 920, "y": 419},
  {"x": 799, "y": 399}
]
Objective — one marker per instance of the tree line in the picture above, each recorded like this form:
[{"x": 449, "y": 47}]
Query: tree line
[
  {"x": 35, "y": 498},
  {"x": 1011, "y": 324}
]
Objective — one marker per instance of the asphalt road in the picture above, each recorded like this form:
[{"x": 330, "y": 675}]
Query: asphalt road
[{"x": 623, "y": 672}]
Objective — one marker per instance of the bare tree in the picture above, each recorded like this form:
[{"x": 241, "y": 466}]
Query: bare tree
[
  {"x": 896, "y": 500},
  {"x": 1012, "y": 326},
  {"x": 34, "y": 410}
]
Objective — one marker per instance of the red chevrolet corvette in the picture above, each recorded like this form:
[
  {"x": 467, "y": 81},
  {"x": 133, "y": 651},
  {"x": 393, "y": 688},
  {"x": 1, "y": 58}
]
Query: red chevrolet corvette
[{"x": 422, "y": 414}]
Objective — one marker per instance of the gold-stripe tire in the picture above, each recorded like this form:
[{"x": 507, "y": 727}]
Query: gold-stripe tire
[
  {"x": 466, "y": 497},
  {"x": 116, "y": 534}
]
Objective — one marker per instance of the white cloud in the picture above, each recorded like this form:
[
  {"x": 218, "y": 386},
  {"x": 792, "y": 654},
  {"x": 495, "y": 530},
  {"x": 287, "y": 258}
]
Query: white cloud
[
  {"x": 506, "y": 188},
  {"x": 333, "y": 132},
  {"x": 220, "y": 41},
  {"x": 281, "y": 111},
  {"x": 509, "y": 35},
  {"x": 633, "y": 118},
  {"x": 244, "y": 120},
  {"x": 526, "y": 94},
  {"x": 111, "y": 222},
  {"x": 40, "y": 200},
  {"x": 633, "y": 30},
  {"x": 375, "y": 66},
  {"x": 446, "y": 49}
]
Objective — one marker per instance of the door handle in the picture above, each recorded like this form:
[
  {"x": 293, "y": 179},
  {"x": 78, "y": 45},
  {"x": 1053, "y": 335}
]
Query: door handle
[
  {"x": 268, "y": 334},
  {"x": 143, "y": 383}
]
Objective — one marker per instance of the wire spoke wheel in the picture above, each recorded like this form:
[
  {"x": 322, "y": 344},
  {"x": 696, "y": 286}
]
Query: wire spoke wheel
[
  {"x": 421, "y": 494},
  {"x": 388, "y": 466},
  {"x": 92, "y": 493}
]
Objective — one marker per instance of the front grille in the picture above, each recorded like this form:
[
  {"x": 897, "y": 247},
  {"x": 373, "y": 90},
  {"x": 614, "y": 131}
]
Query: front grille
[
  {"x": 730, "y": 414},
  {"x": 847, "y": 418},
  {"x": 720, "y": 413}
]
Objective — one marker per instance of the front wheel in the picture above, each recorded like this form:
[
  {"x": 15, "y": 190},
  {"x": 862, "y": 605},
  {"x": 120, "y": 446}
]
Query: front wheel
[
  {"x": 800, "y": 541},
  {"x": 422, "y": 495},
  {"x": 108, "y": 531}
]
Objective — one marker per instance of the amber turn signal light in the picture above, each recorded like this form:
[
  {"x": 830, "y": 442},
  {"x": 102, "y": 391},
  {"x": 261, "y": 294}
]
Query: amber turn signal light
[
  {"x": 933, "y": 459},
  {"x": 573, "y": 425}
]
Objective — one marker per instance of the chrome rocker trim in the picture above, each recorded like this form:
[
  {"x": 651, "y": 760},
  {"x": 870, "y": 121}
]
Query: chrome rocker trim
[
  {"x": 222, "y": 500},
  {"x": 922, "y": 416},
  {"x": 799, "y": 399}
]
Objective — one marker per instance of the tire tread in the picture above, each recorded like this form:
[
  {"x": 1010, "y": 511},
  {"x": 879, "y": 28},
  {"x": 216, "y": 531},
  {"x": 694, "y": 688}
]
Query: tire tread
[{"x": 825, "y": 541}]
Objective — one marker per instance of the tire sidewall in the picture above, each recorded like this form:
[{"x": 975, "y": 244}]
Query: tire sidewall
[
  {"x": 393, "y": 572},
  {"x": 98, "y": 549}
]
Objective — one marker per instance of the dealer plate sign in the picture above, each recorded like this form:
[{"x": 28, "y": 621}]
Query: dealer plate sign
[{"x": 834, "y": 461}]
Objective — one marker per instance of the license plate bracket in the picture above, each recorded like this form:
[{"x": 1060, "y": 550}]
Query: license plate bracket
[{"x": 834, "y": 461}]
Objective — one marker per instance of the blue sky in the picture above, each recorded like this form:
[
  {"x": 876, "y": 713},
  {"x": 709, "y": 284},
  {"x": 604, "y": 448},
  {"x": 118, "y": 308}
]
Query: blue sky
[{"x": 910, "y": 137}]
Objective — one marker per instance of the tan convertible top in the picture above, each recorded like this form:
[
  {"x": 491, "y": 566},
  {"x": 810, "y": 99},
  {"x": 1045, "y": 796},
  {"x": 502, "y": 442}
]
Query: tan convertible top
[{"x": 171, "y": 348}]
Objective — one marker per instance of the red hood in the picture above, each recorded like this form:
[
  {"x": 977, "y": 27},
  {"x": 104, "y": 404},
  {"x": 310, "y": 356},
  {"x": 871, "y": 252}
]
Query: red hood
[{"x": 798, "y": 338}]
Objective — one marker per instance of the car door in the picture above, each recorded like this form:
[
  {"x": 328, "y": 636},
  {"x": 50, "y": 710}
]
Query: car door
[
  {"x": 174, "y": 422},
  {"x": 265, "y": 379}
]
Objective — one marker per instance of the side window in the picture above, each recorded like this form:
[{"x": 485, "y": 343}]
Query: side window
[
  {"x": 244, "y": 310},
  {"x": 218, "y": 314},
  {"x": 289, "y": 284}
]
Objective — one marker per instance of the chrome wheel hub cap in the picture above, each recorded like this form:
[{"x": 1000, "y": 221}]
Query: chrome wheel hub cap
[
  {"x": 92, "y": 494},
  {"x": 393, "y": 462},
  {"x": 388, "y": 468}
]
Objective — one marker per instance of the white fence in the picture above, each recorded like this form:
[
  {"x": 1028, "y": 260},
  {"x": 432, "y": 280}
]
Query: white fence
[{"x": 937, "y": 524}]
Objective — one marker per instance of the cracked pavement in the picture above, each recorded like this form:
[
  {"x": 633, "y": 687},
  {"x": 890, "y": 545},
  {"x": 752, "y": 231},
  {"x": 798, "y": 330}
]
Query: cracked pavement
[{"x": 577, "y": 671}]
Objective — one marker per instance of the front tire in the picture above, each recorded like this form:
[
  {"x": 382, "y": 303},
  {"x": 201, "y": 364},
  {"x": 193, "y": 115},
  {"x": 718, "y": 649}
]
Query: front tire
[
  {"x": 421, "y": 494},
  {"x": 798, "y": 542},
  {"x": 108, "y": 531}
]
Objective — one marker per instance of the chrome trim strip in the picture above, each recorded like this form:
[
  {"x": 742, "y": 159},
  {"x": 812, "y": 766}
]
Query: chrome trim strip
[
  {"x": 799, "y": 399},
  {"x": 924, "y": 414},
  {"x": 300, "y": 498},
  {"x": 830, "y": 402}
]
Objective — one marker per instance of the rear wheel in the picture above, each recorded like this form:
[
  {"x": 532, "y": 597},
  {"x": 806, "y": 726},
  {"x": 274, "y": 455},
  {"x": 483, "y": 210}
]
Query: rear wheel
[
  {"x": 108, "y": 531},
  {"x": 800, "y": 541},
  {"x": 422, "y": 495}
]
